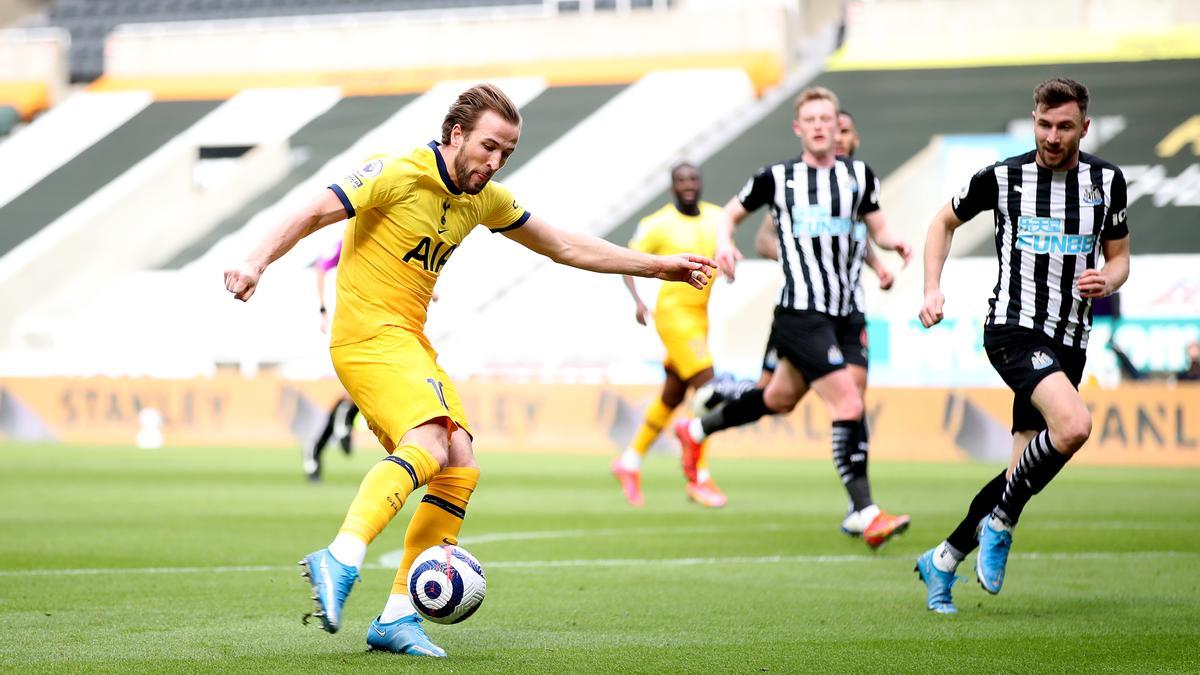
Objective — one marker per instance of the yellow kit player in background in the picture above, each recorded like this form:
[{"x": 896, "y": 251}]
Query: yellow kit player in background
[
  {"x": 408, "y": 213},
  {"x": 681, "y": 318}
]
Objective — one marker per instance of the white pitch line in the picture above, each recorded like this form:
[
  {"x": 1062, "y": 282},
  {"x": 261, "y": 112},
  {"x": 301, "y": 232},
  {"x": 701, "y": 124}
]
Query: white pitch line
[
  {"x": 612, "y": 562},
  {"x": 605, "y": 532},
  {"x": 392, "y": 558}
]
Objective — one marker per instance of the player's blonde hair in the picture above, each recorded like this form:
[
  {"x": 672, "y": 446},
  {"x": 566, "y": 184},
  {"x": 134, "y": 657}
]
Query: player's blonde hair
[
  {"x": 470, "y": 106},
  {"x": 816, "y": 94}
]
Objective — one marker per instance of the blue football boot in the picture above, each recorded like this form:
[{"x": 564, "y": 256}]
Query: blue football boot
[
  {"x": 994, "y": 546},
  {"x": 937, "y": 584},
  {"x": 402, "y": 636},
  {"x": 331, "y": 583}
]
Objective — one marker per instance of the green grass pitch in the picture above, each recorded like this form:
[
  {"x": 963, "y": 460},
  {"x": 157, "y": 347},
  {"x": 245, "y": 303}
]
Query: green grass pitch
[{"x": 122, "y": 560}]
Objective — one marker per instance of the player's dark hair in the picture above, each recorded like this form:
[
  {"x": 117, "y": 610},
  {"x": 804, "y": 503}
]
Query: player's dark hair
[
  {"x": 675, "y": 168},
  {"x": 845, "y": 112},
  {"x": 1057, "y": 91},
  {"x": 472, "y": 103}
]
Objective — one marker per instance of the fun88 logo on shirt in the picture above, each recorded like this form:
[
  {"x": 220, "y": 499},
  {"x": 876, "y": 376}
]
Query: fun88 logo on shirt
[
  {"x": 813, "y": 220},
  {"x": 1045, "y": 235}
]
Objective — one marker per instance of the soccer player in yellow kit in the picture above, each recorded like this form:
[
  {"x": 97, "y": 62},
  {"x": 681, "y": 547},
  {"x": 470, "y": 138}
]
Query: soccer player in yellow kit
[
  {"x": 408, "y": 213},
  {"x": 681, "y": 318}
]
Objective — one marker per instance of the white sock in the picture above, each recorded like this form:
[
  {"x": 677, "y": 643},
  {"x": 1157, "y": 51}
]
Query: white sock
[
  {"x": 702, "y": 475},
  {"x": 398, "y": 606},
  {"x": 998, "y": 525},
  {"x": 944, "y": 558},
  {"x": 865, "y": 516},
  {"x": 349, "y": 550},
  {"x": 630, "y": 460},
  {"x": 696, "y": 430}
]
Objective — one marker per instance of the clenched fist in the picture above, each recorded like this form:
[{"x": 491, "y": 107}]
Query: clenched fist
[{"x": 241, "y": 281}]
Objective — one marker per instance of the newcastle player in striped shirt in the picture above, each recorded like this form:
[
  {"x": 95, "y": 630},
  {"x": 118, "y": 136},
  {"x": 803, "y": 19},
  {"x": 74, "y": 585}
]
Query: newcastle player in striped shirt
[
  {"x": 823, "y": 205},
  {"x": 1055, "y": 209}
]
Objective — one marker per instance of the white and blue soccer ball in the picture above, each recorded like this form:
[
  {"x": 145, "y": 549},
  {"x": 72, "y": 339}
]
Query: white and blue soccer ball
[
  {"x": 446, "y": 584},
  {"x": 717, "y": 392}
]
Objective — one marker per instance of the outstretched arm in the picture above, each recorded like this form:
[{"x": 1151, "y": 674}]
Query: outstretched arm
[
  {"x": 937, "y": 248},
  {"x": 594, "y": 254},
  {"x": 324, "y": 210}
]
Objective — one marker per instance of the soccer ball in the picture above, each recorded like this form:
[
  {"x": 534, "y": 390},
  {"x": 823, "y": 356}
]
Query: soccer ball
[
  {"x": 706, "y": 399},
  {"x": 717, "y": 392},
  {"x": 446, "y": 584}
]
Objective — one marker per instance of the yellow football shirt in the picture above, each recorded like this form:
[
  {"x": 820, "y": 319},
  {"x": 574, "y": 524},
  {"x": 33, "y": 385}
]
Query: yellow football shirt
[
  {"x": 668, "y": 232},
  {"x": 406, "y": 219}
]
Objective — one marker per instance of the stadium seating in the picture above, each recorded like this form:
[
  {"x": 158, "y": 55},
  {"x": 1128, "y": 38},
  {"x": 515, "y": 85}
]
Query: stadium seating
[{"x": 91, "y": 21}]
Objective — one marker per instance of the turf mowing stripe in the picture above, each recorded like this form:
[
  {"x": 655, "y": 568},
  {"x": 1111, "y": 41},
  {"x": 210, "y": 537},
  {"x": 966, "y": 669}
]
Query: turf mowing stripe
[{"x": 611, "y": 562}]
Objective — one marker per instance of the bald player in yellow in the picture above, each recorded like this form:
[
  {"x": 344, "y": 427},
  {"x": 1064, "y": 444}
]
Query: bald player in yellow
[
  {"x": 407, "y": 215},
  {"x": 681, "y": 318}
]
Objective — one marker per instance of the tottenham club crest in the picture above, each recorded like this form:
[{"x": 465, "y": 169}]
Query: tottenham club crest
[{"x": 1093, "y": 196}]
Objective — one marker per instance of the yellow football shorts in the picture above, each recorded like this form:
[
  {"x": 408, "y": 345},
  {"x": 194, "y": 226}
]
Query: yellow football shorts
[
  {"x": 686, "y": 338},
  {"x": 396, "y": 382}
]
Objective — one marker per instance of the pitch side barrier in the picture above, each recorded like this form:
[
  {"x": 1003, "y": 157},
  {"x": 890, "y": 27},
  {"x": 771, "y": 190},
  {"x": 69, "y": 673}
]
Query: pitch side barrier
[{"x": 1134, "y": 425}]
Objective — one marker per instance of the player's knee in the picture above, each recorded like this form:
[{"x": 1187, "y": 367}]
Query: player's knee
[
  {"x": 848, "y": 407},
  {"x": 780, "y": 402},
  {"x": 439, "y": 454},
  {"x": 458, "y": 463},
  {"x": 1072, "y": 432}
]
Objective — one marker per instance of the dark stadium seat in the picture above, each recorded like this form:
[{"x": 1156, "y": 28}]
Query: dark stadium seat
[
  {"x": 90, "y": 21},
  {"x": 8, "y": 119}
]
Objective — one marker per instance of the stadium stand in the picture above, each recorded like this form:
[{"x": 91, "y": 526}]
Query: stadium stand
[
  {"x": 592, "y": 156},
  {"x": 58, "y": 136},
  {"x": 91, "y": 21},
  {"x": 96, "y": 166},
  {"x": 33, "y": 68}
]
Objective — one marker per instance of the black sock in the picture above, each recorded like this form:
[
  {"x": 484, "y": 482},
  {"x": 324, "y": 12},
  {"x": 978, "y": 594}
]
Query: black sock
[
  {"x": 963, "y": 538},
  {"x": 350, "y": 413},
  {"x": 1039, "y": 464},
  {"x": 318, "y": 445},
  {"x": 741, "y": 410},
  {"x": 850, "y": 459}
]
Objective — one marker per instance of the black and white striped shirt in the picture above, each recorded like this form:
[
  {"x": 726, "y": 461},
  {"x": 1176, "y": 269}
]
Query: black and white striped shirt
[
  {"x": 1049, "y": 226},
  {"x": 819, "y": 223}
]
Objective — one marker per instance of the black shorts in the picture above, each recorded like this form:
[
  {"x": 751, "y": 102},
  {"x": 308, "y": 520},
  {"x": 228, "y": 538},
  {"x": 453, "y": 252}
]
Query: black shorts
[
  {"x": 1024, "y": 357},
  {"x": 816, "y": 343}
]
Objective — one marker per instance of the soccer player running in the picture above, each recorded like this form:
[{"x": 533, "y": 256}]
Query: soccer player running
[
  {"x": 854, "y": 338},
  {"x": 408, "y": 213},
  {"x": 339, "y": 423},
  {"x": 823, "y": 206},
  {"x": 681, "y": 319},
  {"x": 1055, "y": 208}
]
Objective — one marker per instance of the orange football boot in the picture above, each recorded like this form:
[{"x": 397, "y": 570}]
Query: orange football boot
[
  {"x": 631, "y": 483},
  {"x": 883, "y": 527}
]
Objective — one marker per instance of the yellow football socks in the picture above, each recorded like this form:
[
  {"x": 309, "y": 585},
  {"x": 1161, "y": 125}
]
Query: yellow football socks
[
  {"x": 439, "y": 517},
  {"x": 383, "y": 490},
  {"x": 657, "y": 416}
]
